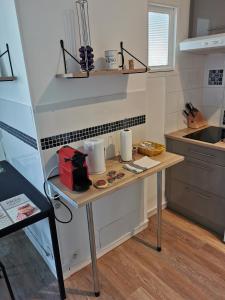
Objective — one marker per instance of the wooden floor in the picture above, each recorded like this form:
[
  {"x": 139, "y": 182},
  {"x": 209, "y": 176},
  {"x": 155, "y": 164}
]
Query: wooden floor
[{"x": 190, "y": 266}]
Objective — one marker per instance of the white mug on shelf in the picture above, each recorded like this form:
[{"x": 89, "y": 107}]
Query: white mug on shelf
[{"x": 112, "y": 59}]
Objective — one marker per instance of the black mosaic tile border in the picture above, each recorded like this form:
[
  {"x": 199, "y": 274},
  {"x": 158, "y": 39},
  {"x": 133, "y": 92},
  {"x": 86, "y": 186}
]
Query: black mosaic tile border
[
  {"x": 215, "y": 77},
  {"x": 83, "y": 134},
  {"x": 20, "y": 135}
]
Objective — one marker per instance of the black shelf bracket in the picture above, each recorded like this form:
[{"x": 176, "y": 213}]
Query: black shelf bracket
[
  {"x": 64, "y": 52},
  {"x": 122, "y": 50},
  {"x": 7, "y": 52}
]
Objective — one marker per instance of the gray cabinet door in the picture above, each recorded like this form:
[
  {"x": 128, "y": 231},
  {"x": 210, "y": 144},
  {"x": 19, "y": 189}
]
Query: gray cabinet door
[
  {"x": 208, "y": 177},
  {"x": 196, "y": 187},
  {"x": 204, "y": 208},
  {"x": 208, "y": 155}
]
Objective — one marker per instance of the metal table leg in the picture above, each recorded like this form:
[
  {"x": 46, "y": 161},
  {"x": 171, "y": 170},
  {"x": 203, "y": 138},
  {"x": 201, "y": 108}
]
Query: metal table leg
[
  {"x": 159, "y": 217},
  {"x": 2, "y": 267},
  {"x": 159, "y": 210},
  {"x": 57, "y": 258},
  {"x": 91, "y": 232}
]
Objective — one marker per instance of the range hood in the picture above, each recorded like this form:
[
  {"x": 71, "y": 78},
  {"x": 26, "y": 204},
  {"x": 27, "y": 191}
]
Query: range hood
[{"x": 204, "y": 44}]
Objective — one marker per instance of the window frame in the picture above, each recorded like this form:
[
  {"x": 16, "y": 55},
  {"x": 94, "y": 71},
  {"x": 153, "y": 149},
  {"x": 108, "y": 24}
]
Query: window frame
[{"x": 172, "y": 11}]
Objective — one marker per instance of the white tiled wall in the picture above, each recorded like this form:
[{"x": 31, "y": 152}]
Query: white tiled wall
[
  {"x": 213, "y": 96},
  {"x": 168, "y": 92},
  {"x": 185, "y": 86}
]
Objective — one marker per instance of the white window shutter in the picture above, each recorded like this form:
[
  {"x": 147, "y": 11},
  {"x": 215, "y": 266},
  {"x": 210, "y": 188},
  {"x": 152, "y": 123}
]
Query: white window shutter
[{"x": 161, "y": 36}]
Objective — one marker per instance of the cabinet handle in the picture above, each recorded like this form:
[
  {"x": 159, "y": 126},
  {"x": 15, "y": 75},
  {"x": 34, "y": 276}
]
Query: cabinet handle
[
  {"x": 188, "y": 189},
  {"x": 202, "y": 154},
  {"x": 199, "y": 166}
]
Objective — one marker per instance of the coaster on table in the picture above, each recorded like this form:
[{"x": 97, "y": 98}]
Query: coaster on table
[
  {"x": 120, "y": 175},
  {"x": 111, "y": 173},
  {"x": 101, "y": 184},
  {"x": 111, "y": 180}
]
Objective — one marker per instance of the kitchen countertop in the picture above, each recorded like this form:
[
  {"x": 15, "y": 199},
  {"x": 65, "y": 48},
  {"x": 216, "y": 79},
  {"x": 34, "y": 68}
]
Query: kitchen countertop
[{"x": 179, "y": 136}]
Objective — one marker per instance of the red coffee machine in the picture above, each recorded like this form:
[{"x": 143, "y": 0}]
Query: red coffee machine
[{"x": 73, "y": 169}]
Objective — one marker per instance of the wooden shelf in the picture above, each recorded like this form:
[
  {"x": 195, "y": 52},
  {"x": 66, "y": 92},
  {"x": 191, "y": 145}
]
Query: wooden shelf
[
  {"x": 8, "y": 78},
  {"x": 101, "y": 73}
]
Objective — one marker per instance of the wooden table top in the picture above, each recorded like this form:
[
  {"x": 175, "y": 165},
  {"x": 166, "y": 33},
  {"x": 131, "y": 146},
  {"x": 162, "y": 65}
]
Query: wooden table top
[{"x": 166, "y": 160}]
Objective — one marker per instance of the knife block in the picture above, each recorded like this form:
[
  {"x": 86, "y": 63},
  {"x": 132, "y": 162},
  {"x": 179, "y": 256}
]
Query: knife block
[{"x": 197, "y": 121}]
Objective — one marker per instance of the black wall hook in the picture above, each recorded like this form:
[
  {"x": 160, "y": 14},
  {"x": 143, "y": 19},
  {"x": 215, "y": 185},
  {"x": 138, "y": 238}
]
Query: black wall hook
[
  {"x": 7, "y": 52},
  {"x": 64, "y": 52},
  {"x": 122, "y": 50}
]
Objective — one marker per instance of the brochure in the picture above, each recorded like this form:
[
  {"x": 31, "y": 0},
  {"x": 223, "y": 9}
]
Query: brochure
[{"x": 16, "y": 209}]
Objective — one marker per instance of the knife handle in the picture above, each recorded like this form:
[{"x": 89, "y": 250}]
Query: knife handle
[
  {"x": 190, "y": 109},
  {"x": 185, "y": 113},
  {"x": 193, "y": 108}
]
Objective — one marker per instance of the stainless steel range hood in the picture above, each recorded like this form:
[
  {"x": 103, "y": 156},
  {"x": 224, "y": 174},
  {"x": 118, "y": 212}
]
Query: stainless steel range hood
[{"x": 204, "y": 44}]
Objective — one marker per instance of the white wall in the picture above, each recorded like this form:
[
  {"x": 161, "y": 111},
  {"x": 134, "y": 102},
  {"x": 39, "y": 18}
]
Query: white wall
[
  {"x": 43, "y": 53},
  {"x": 9, "y": 31},
  {"x": 67, "y": 105},
  {"x": 15, "y": 102}
]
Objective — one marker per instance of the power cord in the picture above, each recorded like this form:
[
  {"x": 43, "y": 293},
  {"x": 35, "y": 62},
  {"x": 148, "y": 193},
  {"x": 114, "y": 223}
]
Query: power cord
[{"x": 57, "y": 198}]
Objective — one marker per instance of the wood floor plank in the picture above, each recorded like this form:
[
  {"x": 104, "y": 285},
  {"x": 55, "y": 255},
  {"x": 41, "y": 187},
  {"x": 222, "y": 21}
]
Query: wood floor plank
[
  {"x": 196, "y": 231},
  {"x": 141, "y": 276},
  {"x": 140, "y": 294},
  {"x": 183, "y": 287},
  {"x": 190, "y": 267}
]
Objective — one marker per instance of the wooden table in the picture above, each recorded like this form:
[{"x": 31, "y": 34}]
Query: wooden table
[
  {"x": 85, "y": 199},
  {"x": 12, "y": 184}
]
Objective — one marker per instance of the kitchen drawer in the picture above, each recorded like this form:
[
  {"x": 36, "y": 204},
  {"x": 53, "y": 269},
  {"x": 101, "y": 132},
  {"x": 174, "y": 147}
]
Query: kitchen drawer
[
  {"x": 208, "y": 177},
  {"x": 204, "y": 208},
  {"x": 210, "y": 155}
]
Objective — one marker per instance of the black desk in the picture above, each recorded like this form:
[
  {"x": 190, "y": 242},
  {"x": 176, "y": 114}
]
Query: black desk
[{"x": 12, "y": 183}]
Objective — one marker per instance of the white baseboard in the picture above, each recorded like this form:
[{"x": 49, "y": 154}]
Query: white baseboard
[
  {"x": 153, "y": 211},
  {"x": 107, "y": 249}
]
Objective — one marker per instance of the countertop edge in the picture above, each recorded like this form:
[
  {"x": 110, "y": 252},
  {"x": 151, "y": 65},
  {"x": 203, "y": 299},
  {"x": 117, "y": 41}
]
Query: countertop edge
[{"x": 179, "y": 136}]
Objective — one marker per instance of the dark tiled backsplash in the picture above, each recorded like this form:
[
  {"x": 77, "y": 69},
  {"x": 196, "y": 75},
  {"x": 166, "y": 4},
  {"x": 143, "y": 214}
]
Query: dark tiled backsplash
[
  {"x": 20, "y": 135},
  {"x": 215, "y": 77},
  {"x": 83, "y": 134}
]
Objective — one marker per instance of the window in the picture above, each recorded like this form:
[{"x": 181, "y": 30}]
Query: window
[{"x": 161, "y": 37}]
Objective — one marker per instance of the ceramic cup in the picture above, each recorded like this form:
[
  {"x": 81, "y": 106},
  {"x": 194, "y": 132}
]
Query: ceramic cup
[{"x": 112, "y": 59}]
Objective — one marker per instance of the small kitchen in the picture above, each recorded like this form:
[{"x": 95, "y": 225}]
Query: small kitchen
[{"x": 114, "y": 111}]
